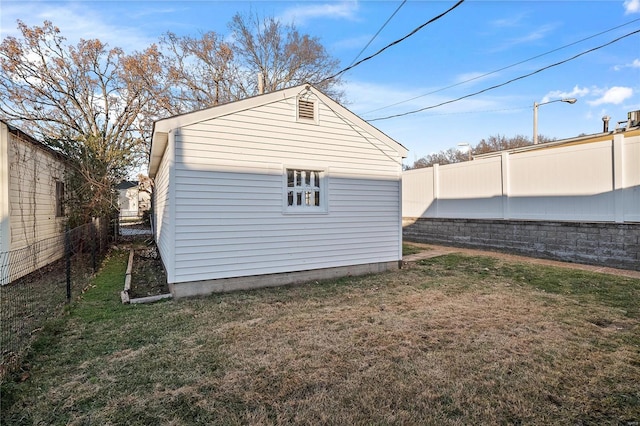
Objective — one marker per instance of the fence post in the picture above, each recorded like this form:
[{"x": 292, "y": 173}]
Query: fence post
[
  {"x": 618, "y": 177},
  {"x": 93, "y": 244},
  {"x": 506, "y": 185},
  {"x": 67, "y": 255},
  {"x": 436, "y": 188}
]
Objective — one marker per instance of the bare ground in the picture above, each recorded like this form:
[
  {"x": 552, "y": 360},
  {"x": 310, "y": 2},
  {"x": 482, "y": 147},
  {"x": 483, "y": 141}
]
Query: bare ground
[{"x": 148, "y": 277}]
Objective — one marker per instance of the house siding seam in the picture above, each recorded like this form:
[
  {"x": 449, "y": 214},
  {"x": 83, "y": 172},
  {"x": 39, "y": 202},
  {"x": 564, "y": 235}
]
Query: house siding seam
[{"x": 229, "y": 189}]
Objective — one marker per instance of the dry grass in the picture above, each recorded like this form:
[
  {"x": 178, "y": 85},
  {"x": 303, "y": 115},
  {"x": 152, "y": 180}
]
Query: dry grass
[{"x": 453, "y": 340}]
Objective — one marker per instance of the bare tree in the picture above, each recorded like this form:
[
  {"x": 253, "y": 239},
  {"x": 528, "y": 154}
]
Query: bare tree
[
  {"x": 499, "y": 142},
  {"x": 281, "y": 55},
  {"x": 491, "y": 144},
  {"x": 85, "y": 100},
  {"x": 449, "y": 156},
  {"x": 200, "y": 72}
]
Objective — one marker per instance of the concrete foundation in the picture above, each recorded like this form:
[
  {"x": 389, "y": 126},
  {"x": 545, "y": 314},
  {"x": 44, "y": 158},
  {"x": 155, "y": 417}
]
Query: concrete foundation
[{"x": 205, "y": 287}]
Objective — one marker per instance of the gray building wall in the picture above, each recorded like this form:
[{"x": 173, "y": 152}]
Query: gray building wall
[{"x": 614, "y": 245}]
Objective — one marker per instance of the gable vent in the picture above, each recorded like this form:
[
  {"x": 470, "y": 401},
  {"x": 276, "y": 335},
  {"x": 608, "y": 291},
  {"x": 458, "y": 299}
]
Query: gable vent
[{"x": 306, "y": 109}]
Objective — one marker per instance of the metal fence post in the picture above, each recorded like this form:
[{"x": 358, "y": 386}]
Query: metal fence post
[
  {"x": 94, "y": 245},
  {"x": 67, "y": 255}
]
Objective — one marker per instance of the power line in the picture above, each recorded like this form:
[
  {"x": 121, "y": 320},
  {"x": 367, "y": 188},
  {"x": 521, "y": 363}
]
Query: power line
[
  {"x": 379, "y": 31},
  {"x": 392, "y": 43},
  {"x": 503, "y": 68},
  {"x": 507, "y": 82},
  {"x": 478, "y": 111}
]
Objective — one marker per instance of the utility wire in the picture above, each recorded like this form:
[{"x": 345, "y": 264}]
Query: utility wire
[
  {"x": 478, "y": 111},
  {"x": 379, "y": 31},
  {"x": 507, "y": 82},
  {"x": 503, "y": 68},
  {"x": 392, "y": 43}
]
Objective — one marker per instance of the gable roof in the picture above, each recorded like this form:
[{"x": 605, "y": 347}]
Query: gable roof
[
  {"x": 126, "y": 184},
  {"x": 162, "y": 127},
  {"x": 36, "y": 143}
]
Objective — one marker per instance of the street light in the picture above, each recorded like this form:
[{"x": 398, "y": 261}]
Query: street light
[
  {"x": 468, "y": 148},
  {"x": 535, "y": 114}
]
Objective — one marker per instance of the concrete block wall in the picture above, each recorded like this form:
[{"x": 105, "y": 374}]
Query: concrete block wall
[{"x": 614, "y": 245}]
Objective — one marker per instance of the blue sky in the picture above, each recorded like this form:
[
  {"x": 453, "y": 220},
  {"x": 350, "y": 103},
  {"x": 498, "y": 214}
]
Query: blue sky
[{"x": 442, "y": 62}]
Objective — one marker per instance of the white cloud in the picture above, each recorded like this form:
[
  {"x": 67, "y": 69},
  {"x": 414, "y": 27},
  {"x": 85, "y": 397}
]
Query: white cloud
[
  {"x": 352, "y": 43},
  {"x": 616, "y": 95},
  {"x": 538, "y": 34},
  {"x": 634, "y": 64},
  {"x": 577, "y": 92},
  {"x": 75, "y": 21},
  {"x": 372, "y": 100},
  {"x": 345, "y": 9},
  {"x": 509, "y": 22},
  {"x": 631, "y": 6}
]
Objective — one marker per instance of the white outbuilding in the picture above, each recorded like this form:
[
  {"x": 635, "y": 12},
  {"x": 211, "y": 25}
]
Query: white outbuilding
[{"x": 279, "y": 188}]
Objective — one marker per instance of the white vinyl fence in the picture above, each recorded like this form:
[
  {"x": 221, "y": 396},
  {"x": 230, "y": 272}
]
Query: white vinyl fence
[{"x": 585, "y": 181}]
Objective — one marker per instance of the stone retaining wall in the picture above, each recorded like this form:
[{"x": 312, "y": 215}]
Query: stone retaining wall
[{"x": 614, "y": 245}]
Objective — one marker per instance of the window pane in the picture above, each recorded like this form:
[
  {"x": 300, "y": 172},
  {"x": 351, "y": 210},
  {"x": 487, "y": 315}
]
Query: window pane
[
  {"x": 290, "y": 180},
  {"x": 303, "y": 188},
  {"x": 59, "y": 199}
]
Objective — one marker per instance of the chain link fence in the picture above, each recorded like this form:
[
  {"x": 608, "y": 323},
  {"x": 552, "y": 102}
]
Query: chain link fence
[{"x": 38, "y": 280}]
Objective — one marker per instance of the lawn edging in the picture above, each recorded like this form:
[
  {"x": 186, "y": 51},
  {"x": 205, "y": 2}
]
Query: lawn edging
[{"x": 124, "y": 294}]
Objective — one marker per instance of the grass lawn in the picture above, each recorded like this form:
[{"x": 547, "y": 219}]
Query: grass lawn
[{"x": 448, "y": 341}]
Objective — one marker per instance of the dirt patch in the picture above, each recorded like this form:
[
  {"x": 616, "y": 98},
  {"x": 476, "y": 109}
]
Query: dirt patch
[{"x": 148, "y": 277}]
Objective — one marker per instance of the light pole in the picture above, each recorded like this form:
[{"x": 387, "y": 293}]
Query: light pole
[
  {"x": 468, "y": 148},
  {"x": 535, "y": 114}
]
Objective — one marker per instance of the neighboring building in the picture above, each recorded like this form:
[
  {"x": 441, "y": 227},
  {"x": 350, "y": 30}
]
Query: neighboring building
[
  {"x": 279, "y": 188},
  {"x": 133, "y": 199},
  {"x": 128, "y": 198},
  {"x": 31, "y": 203}
]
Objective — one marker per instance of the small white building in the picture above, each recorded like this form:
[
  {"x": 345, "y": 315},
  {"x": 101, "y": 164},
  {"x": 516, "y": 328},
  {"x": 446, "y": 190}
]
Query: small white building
[
  {"x": 279, "y": 188},
  {"x": 31, "y": 204},
  {"x": 128, "y": 199}
]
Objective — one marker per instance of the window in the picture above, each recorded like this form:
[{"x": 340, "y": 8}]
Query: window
[
  {"x": 305, "y": 191},
  {"x": 59, "y": 199}
]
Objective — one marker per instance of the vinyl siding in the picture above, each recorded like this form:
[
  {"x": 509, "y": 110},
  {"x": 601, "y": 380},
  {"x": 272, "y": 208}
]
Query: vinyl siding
[
  {"x": 162, "y": 213},
  {"x": 32, "y": 193},
  {"x": 32, "y": 176},
  {"x": 4, "y": 204},
  {"x": 229, "y": 195}
]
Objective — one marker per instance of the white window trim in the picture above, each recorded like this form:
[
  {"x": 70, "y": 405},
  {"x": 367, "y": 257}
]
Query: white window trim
[{"x": 323, "y": 208}]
